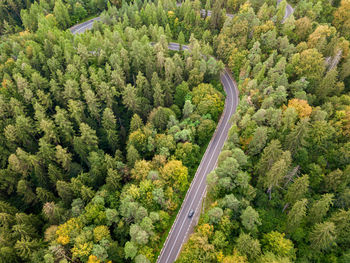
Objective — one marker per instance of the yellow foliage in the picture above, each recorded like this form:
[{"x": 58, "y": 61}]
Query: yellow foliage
[
  {"x": 101, "y": 232},
  {"x": 320, "y": 35},
  {"x": 205, "y": 230},
  {"x": 69, "y": 229},
  {"x": 133, "y": 191},
  {"x": 235, "y": 258},
  {"x": 245, "y": 142},
  {"x": 170, "y": 204},
  {"x": 63, "y": 239},
  {"x": 245, "y": 7},
  {"x": 82, "y": 250},
  {"x": 141, "y": 170},
  {"x": 220, "y": 256},
  {"x": 93, "y": 259},
  {"x": 138, "y": 139},
  {"x": 175, "y": 174},
  {"x": 147, "y": 252},
  {"x": 24, "y": 33},
  {"x": 29, "y": 51},
  {"x": 310, "y": 64},
  {"x": 258, "y": 30},
  {"x": 171, "y": 13},
  {"x": 344, "y": 121},
  {"x": 343, "y": 45},
  {"x": 10, "y": 61},
  {"x": 4, "y": 83},
  {"x": 342, "y": 15},
  {"x": 301, "y": 106}
]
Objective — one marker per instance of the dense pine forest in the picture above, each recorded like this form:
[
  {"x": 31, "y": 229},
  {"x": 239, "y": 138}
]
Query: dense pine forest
[{"x": 102, "y": 132}]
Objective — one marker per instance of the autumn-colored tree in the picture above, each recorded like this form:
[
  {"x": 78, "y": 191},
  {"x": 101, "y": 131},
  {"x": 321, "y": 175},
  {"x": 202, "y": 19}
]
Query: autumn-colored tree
[
  {"x": 342, "y": 17},
  {"x": 276, "y": 243},
  {"x": 174, "y": 173},
  {"x": 302, "y": 107}
]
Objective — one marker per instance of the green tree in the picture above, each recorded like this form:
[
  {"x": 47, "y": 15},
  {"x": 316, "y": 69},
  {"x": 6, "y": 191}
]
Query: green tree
[
  {"x": 259, "y": 141},
  {"x": 297, "y": 190},
  {"x": 276, "y": 243},
  {"x": 297, "y": 137},
  {"x": 135, "y": 123},
  {"x": 250, "y": 219},
  {"x": 132, "y": 155},
  {"x": 205, "y": 130},
  {"x": 109, "y": 123},
  {"x": 215, "y": 215},
  {"x": 130, "y": 250},
  {"x": 188, "y": 109},
  {"x": 276, "y": 174},
  {"x": 309, "y": 64},
  {"x": 158, "y": 96},
  {"x": 181, "y": 92},
  {"x": 248, "y": 246},
  {"x": 296, "y": 214},
  {"x": 130, "y": 99},
  {"x": 323, "y": 236},
  {"x": 61, "y": 13},
  {"x": 341, "y": 220},
  {"x": 86, "y": 142},
  {"x": 319, "y": 208},
  {"x": 271, "y": 154}
]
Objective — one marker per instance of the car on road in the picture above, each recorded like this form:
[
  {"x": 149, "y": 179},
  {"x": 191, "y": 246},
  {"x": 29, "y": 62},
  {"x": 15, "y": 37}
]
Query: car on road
[{"x": 190, "y": 214}]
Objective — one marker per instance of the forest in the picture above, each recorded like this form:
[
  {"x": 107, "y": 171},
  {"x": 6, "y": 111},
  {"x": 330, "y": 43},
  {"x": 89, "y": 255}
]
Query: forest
[
  {"x": 281, "y": 190},
  {"x": 102, "y": 132}
]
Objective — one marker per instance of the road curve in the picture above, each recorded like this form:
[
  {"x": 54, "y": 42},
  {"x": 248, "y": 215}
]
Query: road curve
[
  {"x": 194, "y": 196},
  {"x": 196, "y": 192},
  {"x": 87, "y": 25},
  {"x": 288, "y": 12},
  {"x": 81, "y": 28}
]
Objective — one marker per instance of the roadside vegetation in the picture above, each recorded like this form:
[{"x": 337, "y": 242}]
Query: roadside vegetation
[
  {"x": 281, "y": 190},
  {"x": 102, "y": 132}
]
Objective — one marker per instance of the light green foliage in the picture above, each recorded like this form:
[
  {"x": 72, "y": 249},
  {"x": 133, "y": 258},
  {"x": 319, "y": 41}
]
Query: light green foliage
[
  {"x": 207, "y": 100},
  {"x": 215, "y": 215},
  {"x": 323, "y": 236},
  {"x": 250, "y": 219},
  {"x": 248, "y": 246},
  {"x": 276, "y": 243},
  {"x": 319, "y": 208},
  {"x": 297, "y": 190},
  {"x": 296, "y": 214}
]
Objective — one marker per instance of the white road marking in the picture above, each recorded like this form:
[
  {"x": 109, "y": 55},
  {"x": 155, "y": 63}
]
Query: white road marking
[{"x": 205, "y": 173}]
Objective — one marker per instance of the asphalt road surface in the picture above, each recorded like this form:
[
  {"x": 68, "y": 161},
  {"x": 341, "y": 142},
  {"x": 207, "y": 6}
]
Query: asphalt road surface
[
  {"x": 194, "y": 196},
  {"x": 196, "y": 192},
  {"x": 289, "y": 10},
  {"x": 81, "y": 28}
]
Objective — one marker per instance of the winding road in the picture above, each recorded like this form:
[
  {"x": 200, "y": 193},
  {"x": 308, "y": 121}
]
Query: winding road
[
  {"x": 194, "y": 196},
  {"x": 183, "y": 224}
]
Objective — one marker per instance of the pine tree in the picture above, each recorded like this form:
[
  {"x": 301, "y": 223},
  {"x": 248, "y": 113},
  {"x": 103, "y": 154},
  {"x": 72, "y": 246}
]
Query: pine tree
[
  {"x": 158, "y": 96},
  {"x": 296, "y": 214},
  {"x": 323, "y": 236},
  {"x": 320, "y": 208},
  {"x": 135, "y": 123},
  {"x": 297, "y": 190}
]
